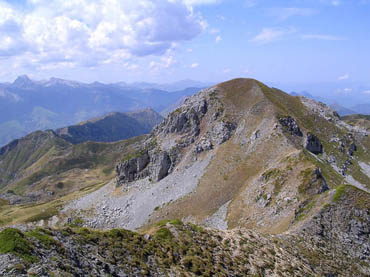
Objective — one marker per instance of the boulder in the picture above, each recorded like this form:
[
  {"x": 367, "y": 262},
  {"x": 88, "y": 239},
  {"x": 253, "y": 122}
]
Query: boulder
[{"x": 313, "y": 144}]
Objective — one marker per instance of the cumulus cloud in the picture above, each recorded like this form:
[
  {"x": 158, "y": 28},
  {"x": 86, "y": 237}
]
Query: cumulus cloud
[
  {"x": 194, "y": 65},
  {"x": 218, "y": 39},
  {"x": 89, "y": 32},
  {"x": 163, "y": 63}
]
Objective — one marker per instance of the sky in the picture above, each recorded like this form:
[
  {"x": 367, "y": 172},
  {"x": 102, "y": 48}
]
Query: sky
[{"x": 169, "y": 40}]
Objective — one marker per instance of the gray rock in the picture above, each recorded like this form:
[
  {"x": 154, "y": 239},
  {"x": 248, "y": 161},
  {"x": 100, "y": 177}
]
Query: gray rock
[
  {"x": 185, "y": 120},
  {"x": 313, "y": 144},
  {"x": 291, "y": 125},
  {"x": 352, "y": 149},
  {"x": 222, "y": 131},
  {"x": 159, "y": 166},
  {"x": 154, "y": 164},
  {"x": 324, "y": 186},
  {"x": 205, "y": 144}
]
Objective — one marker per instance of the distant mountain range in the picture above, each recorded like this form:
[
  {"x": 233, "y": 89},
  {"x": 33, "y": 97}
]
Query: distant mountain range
[
  {"x": 112, "y": 127},
  {"x": 340, "y": 109},
  {"x": 27, "y": 105}
]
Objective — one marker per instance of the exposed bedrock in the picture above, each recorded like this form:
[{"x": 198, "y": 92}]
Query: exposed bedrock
[
  {"x": 185, "y": 120},
  {"x": 291, "y": 125},
  {"x": 153, "y": 164},
  {"x": 157, "y": 163},
  {"x": 313, "y": 144}
]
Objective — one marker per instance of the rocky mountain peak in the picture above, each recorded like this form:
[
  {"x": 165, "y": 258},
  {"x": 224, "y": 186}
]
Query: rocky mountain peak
[{"x": 22, "y": 81}]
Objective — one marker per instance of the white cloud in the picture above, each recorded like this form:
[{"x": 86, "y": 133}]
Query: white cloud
[
  {"x": 285, "y": 13},
  {"x": 366, "y": 92},
  {"x": 218, "y": 39},
  {"x": 343, "y": 77},
  {"x": 322, "y": 37},
  {"x": 89, "y": 32},
  {"x": 214, "y": 31},
  {"x": 201, "y": 2},
  {"x": 164, "y": 63},
  {"x": 271, "y": 34},
  {"x": 194, "y": 65},
  {"x": 227, "y": 70}
]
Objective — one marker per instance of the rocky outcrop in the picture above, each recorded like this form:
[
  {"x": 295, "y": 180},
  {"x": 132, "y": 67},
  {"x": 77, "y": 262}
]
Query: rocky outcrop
[
  {"x": 352, "y": 149},
  {"x": 158, "y": 163},
  {"x": 344, "y": 224},
  {"x": 221, "y": 132},
  {"x": 313, "y": 144},
  {"x": 153, "y": 164},
  {"x": 320, "y": 178},
  {"x": 291, "y": 126},
  {"x": 186, "y": 119}
]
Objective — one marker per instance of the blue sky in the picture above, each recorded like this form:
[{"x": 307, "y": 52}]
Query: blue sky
[{"x": 169, "y": 40}]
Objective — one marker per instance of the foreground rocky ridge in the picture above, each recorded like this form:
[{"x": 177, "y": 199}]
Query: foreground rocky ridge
[{"x": 172, "y": 249}]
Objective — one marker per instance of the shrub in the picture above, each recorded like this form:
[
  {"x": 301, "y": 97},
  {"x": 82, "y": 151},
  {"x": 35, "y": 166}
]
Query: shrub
[
  {"x": 339, "y": 193},
  {"x": 15, "y": 242},
  {"x": 163, "y": 233}
]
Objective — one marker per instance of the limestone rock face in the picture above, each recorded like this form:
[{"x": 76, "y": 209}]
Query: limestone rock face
[
  {"x": 131, "y": 170},
  {"x": 221, "y": 132},
  {"x": 184, "y": 120},
  {"x": 160, "y": 165},
  {"x": 157, "y": 162},
  {"x": 291, "y": 125},
  {"x": 153, "y": 164},
  {"x": 313, "y": 144}
]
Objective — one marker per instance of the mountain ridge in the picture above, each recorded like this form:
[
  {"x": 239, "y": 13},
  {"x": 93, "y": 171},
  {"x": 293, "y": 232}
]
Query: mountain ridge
[{"x": 111, "y": 127}]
